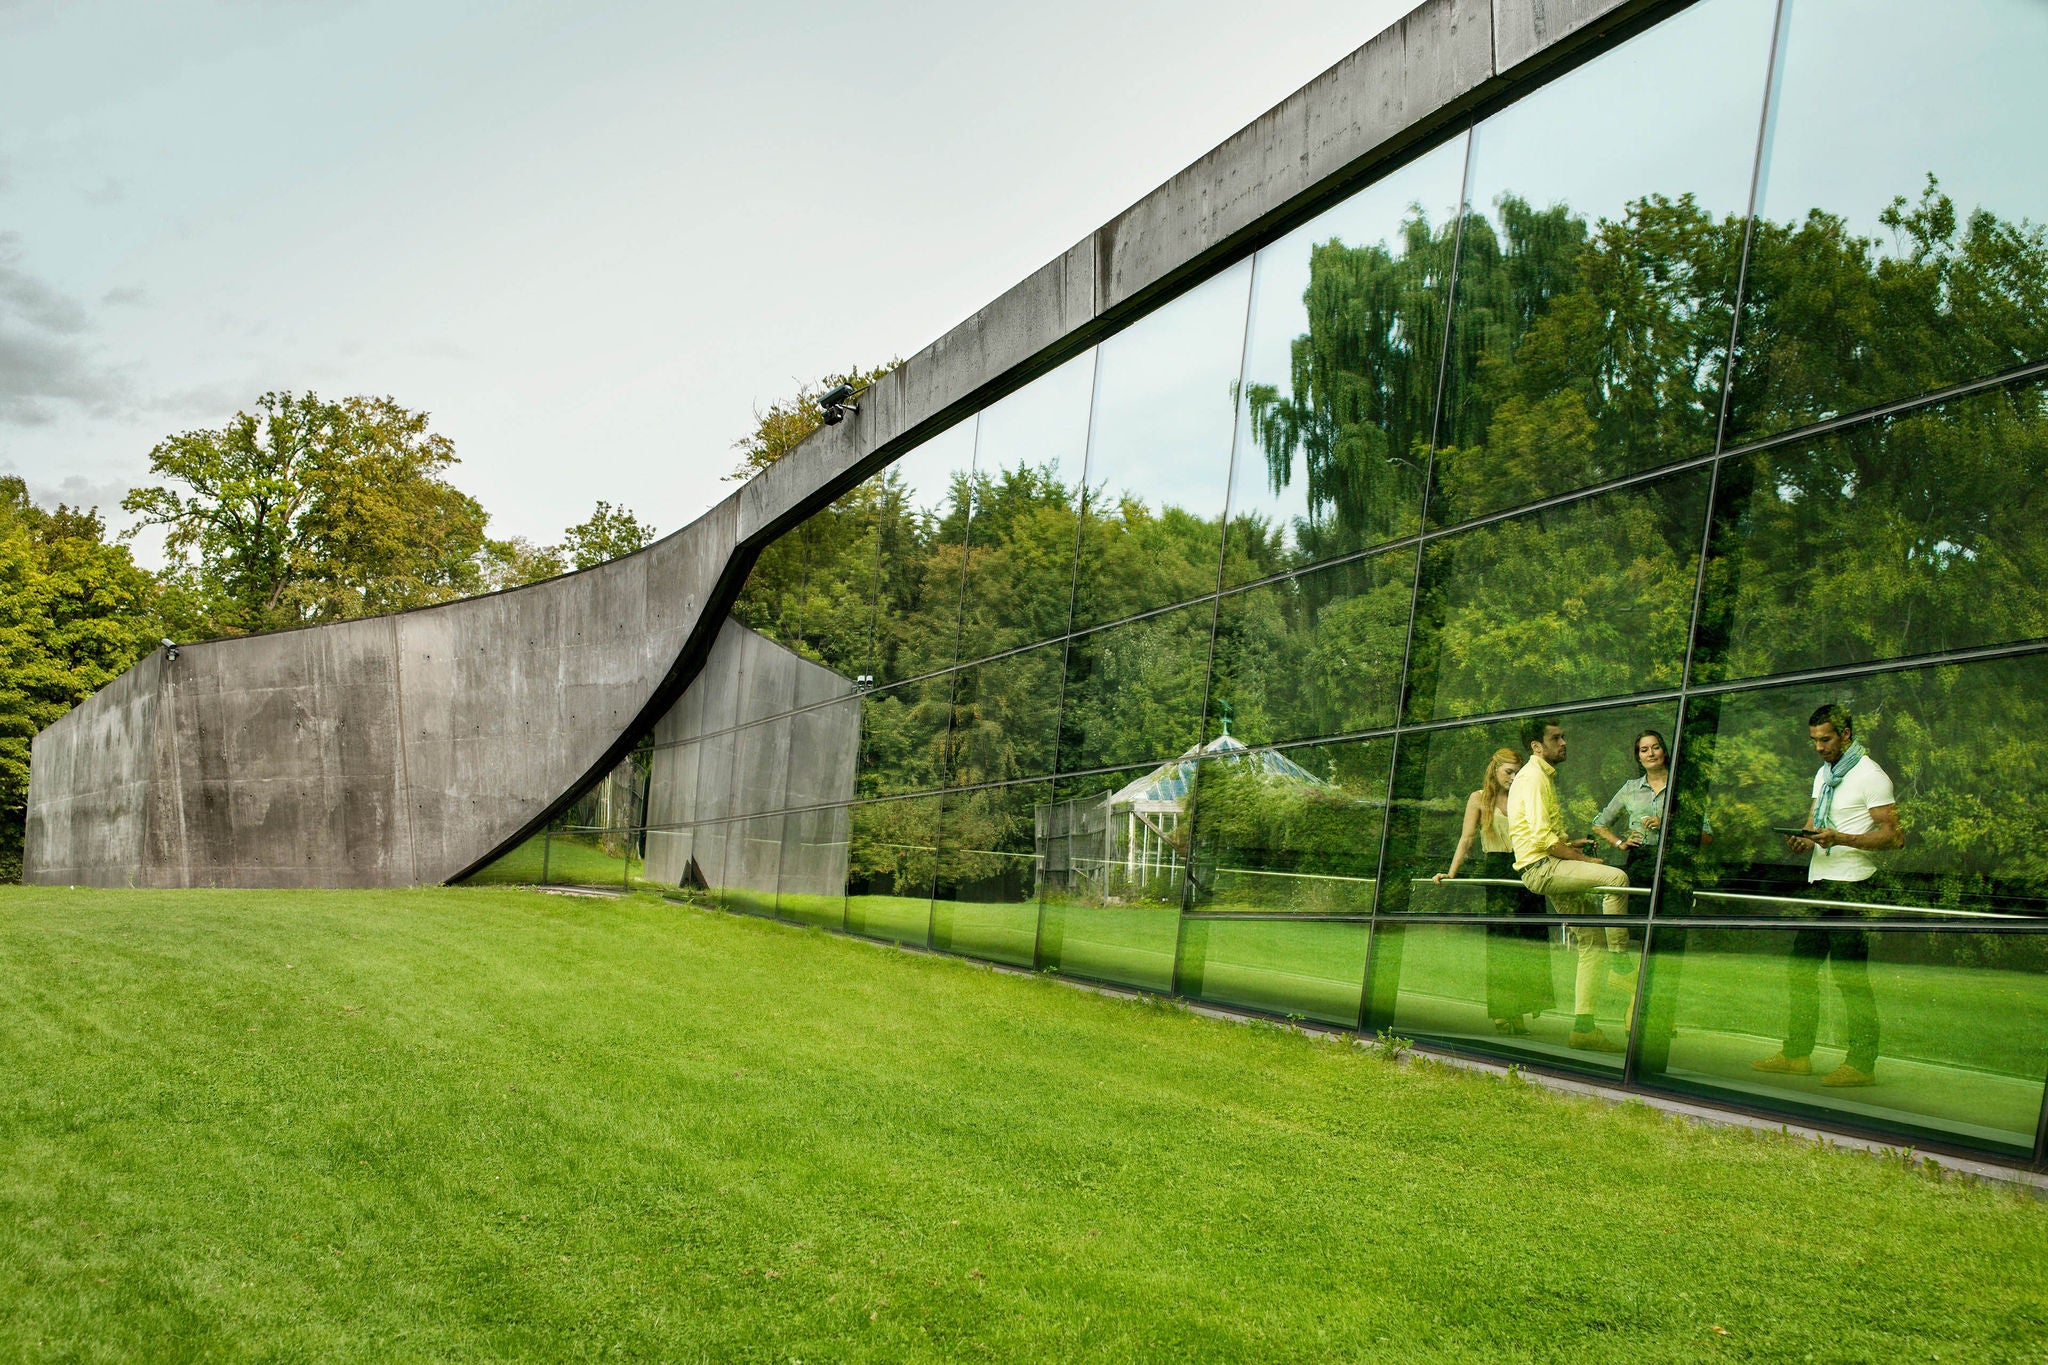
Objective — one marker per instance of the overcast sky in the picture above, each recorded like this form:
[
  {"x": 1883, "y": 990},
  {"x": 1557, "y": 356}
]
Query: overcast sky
[{"x": 588, "y": 238}]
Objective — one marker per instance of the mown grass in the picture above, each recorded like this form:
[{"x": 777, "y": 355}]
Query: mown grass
[{"x": 486, "y": 1123}]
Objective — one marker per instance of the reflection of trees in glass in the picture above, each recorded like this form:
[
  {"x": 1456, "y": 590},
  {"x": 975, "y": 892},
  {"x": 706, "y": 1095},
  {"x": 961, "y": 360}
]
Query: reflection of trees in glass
[
  {"x": 1256, "y": 816},
  {"x": 1362, "y": 388},
  {"x": 1582, "y": 351},
  {"x": 1586, "y": 600},
  {"x": 891, "y": 851},
  {"x": 1134, "y": 692},
  {"x": 1833, "y": 322},
  {"x": 1315, "y": 655},
  {"x": 1924, "y": 533}
]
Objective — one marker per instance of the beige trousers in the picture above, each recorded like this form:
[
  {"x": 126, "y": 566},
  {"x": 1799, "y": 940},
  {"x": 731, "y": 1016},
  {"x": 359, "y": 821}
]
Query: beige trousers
[{"x": 1565, "y": 884}]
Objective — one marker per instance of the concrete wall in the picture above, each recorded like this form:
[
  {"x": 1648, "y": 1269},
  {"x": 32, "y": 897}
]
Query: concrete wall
[
  {"x": 411, "y": 748},
  {"x": 734, "y": 753}
]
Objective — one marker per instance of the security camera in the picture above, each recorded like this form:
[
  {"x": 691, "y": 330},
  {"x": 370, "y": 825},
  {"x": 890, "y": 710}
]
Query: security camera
[
  {"x": 837, "y": 402},
  {"x": 170, "y": 649}
]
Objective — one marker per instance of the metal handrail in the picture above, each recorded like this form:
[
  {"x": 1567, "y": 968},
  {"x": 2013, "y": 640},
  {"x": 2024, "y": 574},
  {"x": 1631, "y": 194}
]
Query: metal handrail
[
  {"x": 1853, "y": 905},
  {"x": 1516, "y": 881},
  {"x": 1304, "y": 876}
]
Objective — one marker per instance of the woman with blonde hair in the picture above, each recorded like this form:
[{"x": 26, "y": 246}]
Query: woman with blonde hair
[{"x": 1517, "y": 955}]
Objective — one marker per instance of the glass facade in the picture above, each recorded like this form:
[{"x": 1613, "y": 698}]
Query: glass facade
[{"x": 1698, "y": 391}]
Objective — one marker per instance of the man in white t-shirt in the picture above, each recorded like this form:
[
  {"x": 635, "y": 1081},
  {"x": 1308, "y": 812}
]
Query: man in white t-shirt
[{"x": 1854, "y": 814}]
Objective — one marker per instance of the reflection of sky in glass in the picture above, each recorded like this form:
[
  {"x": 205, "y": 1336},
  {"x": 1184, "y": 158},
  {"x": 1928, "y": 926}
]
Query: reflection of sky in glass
[
  {"x": 1373, "y": 216},
  {"x": 1046, "y": 421},
  {"x": 1163, "y": 400},
  {"x": 1670, "y": 111},
  {"x": 927, "y": 471},
  {"x": 1877, "y": 93}
]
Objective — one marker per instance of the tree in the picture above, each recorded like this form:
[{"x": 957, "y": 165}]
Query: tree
[
  {"x": 309, "y": 510},
  {"x": 787, "y": 422},
  {"x": 74, "y": 612},
  {"x": 608, "y": 533}
]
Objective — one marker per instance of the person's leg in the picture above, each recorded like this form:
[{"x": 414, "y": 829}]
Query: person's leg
[
  {"x": 1571, "y": 881},
  {"x": 1802, "y": 980},
  {"x": 1848, "y": 964}
]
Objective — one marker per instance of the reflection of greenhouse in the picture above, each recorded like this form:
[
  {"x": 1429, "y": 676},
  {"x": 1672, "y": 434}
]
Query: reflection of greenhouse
[{"x": 1131, "y": 842}]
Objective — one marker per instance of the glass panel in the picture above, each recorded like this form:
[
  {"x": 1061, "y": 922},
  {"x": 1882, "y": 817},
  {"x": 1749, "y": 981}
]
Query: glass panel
[
  {"x": 1111, "y": 904},
  {"x": 1450, "y": 808},
  {"x": 1957, "y": 750},
  {"x": 596, "y": 841},
  {"x": 986, "y": 900},
  {"x": 1340, "y": 373},
  {"x": 1293, "y": 831},
  {"x": 903, "y": 736},
  {"x": 525, "y": 865},
  {"x": 1027, "y": 466},
  {"x": 753, "y": 864},
  {"x": 1159, "y": 453},
  {"x": 1316, "y": 654},
  {"x": 891, "y": 853},
  {"x": 1927, "y": 532},
  {"x": 1134, "y": 691},
  {"x": 1898, "y": 246},
  {"x": 1304, "y": 971},
  {"x": 705, "y": 870},
  {"x": 824, "y": 753},
  {"x": 761, "y": 759},
  {"x": 669, "y": 854},
  {"x": 1558, "y": 995},
  {"x": 814, "y": 588},
  {"x": 812, "y": 885},
  {"x": 922, "y": 518},
  {"x": 1597, "y": 275},
  {"x": 1926, "y": 1035},
  {"x": 1006, "y": 717},
  {"x": 1589, "y": 599}
]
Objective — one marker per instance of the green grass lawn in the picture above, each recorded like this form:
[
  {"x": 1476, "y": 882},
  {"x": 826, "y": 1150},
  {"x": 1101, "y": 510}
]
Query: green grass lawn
[{"x": 485, "y": 1123}]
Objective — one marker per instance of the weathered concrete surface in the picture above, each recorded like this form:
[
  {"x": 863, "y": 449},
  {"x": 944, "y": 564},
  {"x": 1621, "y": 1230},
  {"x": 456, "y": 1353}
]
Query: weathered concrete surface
[
  {"x": 733, "y": 753},
  {"x": 410, "y": 748},
  {"x": 383, "y": 752},
  {"x": 89, "y": 782}
]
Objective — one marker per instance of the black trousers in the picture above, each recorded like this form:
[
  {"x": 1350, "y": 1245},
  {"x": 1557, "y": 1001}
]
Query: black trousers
[{"x": 1847, "y": 952}]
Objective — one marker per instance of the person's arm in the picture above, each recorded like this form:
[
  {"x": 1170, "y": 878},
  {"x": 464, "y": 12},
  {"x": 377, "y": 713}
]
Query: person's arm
[
  {"x": 1887, "y": 833},
  {"x": 1797, "y": 844},
  {"x": 1603, "y": 823},
  {"x": 1473, "y": 807},
  {"x": 1571, "y": 851}
]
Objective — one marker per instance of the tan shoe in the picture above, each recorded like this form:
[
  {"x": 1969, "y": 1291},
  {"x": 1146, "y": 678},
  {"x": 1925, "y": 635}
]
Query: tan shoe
[
  {"x": 1593, "y": 1040},
  {"x": 1790, "y": 1066},
  {"x": 1848, "y": 1075}
]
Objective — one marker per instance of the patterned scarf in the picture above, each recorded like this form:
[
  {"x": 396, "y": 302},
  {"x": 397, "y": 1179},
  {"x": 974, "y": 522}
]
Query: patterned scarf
[{"x": 1836, "y": 771}]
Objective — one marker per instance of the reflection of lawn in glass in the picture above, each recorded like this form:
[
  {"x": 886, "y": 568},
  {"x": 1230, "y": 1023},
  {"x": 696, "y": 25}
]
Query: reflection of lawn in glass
[
  {"x": 1129, "y": 945},
  {"x": 570, "y": 859},
  {"x": 1442, "y": 991},
  {"x": 1962, "y": 1050},
  {"x": 1315, "y": 970},
  {"x": 905, "y": 919},
  {"x": 1002, "y": 931},
  {"x": 827, "y": 912}
]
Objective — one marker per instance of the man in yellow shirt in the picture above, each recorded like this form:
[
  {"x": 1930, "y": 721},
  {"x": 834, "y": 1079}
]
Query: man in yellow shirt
[{"x": 1552, "y": 864}]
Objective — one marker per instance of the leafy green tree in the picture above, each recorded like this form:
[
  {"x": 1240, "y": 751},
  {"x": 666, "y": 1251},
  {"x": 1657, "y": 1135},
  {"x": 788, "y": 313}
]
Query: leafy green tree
[
  {"x": 607, "y": 534},
  {"x": 75, "y": 611},
  {"x": 517, "y": 561},
  {"x": 310, "y": 510}
]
